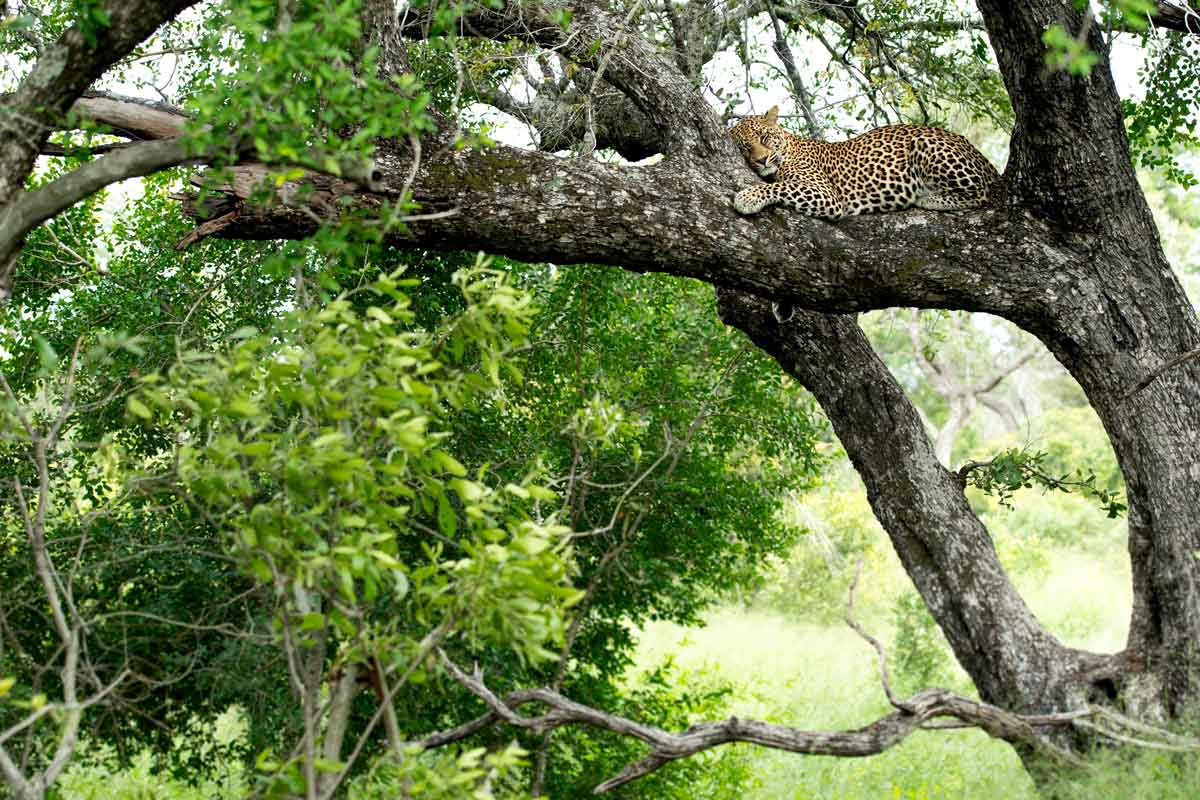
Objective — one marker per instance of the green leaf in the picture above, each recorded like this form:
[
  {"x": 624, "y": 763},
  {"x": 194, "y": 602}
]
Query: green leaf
[
  {"x": 375, "y": 312},
  {"x": 449, "y": 463},
  {"x": 256, "y": 449},
  {"x": 327, "y": 766},
  {"x": 138, "y": 408},
  {"x": 447, "y": 519},
  {"x": 46, "y": 354}
]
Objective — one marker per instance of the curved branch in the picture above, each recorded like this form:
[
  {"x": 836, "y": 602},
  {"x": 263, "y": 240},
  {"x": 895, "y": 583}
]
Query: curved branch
[
  {"x": 942, "y": 544},
  {"x": 666, "y": 747},
  {"x": 34, "y": 208},
  {"x": 988, "y": 384},
  {"x": 64, "y": 70}
]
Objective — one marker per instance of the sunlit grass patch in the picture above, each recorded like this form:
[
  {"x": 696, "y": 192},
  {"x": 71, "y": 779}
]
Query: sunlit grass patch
[
  {"x": 1085, "y": 599},
  {"x": 825, "y": 678}
]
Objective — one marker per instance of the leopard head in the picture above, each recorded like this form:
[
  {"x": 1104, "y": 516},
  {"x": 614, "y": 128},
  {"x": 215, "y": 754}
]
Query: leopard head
[{"x": 762, "y": 142}]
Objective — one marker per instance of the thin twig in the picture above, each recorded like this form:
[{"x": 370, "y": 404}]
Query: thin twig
[
  {"x": 884, "y": 678},
  {"x": 1183, "y": 358}
]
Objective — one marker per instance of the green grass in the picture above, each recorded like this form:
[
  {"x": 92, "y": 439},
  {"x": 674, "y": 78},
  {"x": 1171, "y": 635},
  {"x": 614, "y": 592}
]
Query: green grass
[
  {"x": 822, "y": 676},
  {"x": 1084, "y": 599},
  {"x": 825, "y": 678}
]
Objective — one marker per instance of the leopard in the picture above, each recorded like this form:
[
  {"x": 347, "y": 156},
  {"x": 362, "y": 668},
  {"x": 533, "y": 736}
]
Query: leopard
[{"x": 886, "y": 169}]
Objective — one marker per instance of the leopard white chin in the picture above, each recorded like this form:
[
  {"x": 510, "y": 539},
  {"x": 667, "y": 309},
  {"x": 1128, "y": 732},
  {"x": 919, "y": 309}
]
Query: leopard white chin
[{"x": 768, "y": 170}]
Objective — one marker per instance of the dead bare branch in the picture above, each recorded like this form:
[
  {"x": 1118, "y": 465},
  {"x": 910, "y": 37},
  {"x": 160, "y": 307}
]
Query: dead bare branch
[
  {"x": 884, "y": 679},
  {"x": 666, "y": 747}
]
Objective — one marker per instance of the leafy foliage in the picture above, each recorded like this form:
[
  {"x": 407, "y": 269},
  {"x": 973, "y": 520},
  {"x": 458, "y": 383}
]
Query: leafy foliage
[
  {"x": 318, "y": 449},
  {"x": 294, "y": 89},
  {"x": 1164, "y": 122},
  {"x": 1015, "y": 469},
  {"x": 919, "y": 654},
  {"x": 671, "y": 444}
]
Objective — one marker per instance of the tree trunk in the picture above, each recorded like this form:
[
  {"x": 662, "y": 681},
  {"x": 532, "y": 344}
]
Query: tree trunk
[{"x": 1122, "y": 315}]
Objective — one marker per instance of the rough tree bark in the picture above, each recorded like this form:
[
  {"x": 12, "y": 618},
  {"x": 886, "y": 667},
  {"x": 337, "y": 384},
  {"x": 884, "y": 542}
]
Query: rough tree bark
[{"x": 1067, "y": 251}]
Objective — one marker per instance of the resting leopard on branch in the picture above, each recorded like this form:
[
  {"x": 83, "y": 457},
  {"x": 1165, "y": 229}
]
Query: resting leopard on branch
[{"x": 887, "y": 169}]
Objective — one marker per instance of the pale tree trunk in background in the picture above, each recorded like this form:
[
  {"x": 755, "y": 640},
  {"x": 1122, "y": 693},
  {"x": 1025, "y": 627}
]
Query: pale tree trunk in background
[{"x": 962, "y": 395}]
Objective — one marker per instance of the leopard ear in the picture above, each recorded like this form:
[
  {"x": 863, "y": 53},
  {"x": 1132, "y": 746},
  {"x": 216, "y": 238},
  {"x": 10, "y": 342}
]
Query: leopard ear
[{"x": 772, "y": 114}]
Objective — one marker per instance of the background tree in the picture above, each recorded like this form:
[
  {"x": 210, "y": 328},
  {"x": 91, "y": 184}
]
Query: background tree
[{"x": 958, "y": 371}]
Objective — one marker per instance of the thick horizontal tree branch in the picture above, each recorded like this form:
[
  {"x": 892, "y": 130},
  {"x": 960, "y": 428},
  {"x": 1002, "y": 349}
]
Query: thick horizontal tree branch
[
  {"x": 676, "y": 216},
  {"x": 131, "y": 117},
  {"x": 1177, "y": 15},
  {"x": 126, "y": 116}
]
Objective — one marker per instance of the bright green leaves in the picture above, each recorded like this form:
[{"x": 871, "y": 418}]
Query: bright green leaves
[
  {"x": 1067, "y": 52},
  {"x": 91, "y": 17},
  {"x": 1133, "y": 14},
  {"x": 1163, "y": 123},
  {"x": 444, "y": 774},
  {"x": 304, "y": 92},
  {"x": 602, "y": 424},
  {"x": 1013, "y": 469},
  {"x": 320, "y": 448}
]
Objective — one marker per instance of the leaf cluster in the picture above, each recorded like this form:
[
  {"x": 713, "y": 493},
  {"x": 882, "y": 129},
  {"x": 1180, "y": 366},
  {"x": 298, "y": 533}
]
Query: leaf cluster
[{"x": 1023, "y": 468}]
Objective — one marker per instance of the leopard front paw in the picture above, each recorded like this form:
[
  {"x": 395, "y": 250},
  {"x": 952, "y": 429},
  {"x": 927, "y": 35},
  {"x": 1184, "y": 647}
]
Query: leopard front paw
[{"x": 749, "y": 201}]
